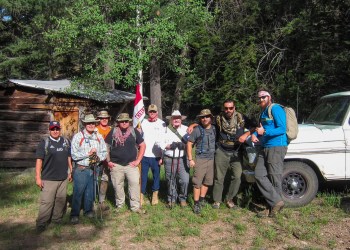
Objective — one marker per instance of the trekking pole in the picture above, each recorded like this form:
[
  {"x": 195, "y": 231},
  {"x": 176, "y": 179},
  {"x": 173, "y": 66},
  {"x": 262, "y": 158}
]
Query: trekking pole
[{"x": 171, "y": 180}]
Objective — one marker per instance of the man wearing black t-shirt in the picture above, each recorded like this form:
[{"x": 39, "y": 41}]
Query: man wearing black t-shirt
[
  {"x": 53, "y": 168},
  {"x": 124, "y": 157}
]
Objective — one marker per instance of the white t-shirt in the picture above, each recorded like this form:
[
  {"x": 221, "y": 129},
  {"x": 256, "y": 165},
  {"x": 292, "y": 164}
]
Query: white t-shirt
[{"x": 153, "y": 135}]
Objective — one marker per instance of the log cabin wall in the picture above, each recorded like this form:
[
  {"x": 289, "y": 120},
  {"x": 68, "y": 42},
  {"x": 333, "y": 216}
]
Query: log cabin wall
[{"x": 24, "y": 118}]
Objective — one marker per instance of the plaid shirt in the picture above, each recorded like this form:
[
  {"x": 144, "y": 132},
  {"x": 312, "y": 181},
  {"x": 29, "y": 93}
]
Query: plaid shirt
[{"x": 83, "y": 143}]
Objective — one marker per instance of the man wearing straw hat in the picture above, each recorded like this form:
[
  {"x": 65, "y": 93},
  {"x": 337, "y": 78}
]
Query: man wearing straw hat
[
  {"x": 204, "y": 137},
  {"x": 123, "y": 159},
  {"x": 175, "y": 162},
  {"x": 104, "y": 129},
  {"x": 88, "y": 150}
]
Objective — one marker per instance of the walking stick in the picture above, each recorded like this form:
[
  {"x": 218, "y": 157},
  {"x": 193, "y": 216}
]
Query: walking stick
[{"x": 171, "y": 179}]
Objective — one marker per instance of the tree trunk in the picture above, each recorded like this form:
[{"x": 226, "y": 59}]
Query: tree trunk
[
  {"x": 181, "y": 82},
  {"x": 155, "y": 89},
  {"x": 109, "y": 83}
]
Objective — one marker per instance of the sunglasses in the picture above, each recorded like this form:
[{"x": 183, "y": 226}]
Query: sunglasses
[
  {"x": 123, "y": 121},
  {"x": 262, "y": 97},
  {"x": 229, "y": 108},
  {"x": 55, "y": 129},
  {"x": 207, "y": 116},
  {"x": 152, "y": 111},
  {"x": 90, "y": 123}
]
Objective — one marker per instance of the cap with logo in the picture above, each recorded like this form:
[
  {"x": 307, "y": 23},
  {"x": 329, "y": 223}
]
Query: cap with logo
[{"x": 54, "y": 124}]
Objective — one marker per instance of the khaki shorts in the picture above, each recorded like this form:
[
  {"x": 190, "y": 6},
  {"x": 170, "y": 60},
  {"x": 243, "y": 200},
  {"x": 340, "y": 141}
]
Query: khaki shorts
[{"x": 203, "y": 172}]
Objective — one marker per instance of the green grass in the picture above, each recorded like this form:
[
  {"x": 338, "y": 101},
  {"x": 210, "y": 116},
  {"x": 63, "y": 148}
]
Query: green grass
[{"x": 163, "y": 228}]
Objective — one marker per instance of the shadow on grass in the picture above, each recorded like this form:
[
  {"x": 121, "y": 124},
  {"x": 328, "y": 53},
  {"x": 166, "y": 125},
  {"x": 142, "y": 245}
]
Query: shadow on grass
[{"x": 25, "y": 236}]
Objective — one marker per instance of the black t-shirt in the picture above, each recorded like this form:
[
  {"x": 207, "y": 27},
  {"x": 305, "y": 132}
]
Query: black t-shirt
[
  {"x": 55, "y": 162},
  {"x": 123, "y": 155}
]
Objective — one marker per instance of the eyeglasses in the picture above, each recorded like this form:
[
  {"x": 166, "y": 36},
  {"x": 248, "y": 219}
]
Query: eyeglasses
[
  {"x": 262, "y": 97},
  {"x": 152, "y": 111},
  {"x": 123, "y": 121},
  {"x": 229, "y": 108},
  {"x": 206, "y": 116},
  {"x": 55, "y": 129},
  {"x": 90, "y": 123}
]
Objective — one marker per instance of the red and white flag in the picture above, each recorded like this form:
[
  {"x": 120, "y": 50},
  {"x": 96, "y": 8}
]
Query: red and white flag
[{"x": 139, "y": 108}]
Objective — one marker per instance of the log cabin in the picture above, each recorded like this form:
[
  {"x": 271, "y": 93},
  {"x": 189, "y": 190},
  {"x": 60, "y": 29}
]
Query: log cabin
[{"x": 27, "y": 106}]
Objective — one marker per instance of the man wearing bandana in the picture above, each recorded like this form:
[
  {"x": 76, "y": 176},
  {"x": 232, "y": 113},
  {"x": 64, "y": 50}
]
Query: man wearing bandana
[
  {"x": 153, "y": 130},
  {"x": 126, "y": 151}
]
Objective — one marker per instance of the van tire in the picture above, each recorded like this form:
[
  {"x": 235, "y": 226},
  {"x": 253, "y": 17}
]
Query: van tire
[{"x": 299, "y": 184}]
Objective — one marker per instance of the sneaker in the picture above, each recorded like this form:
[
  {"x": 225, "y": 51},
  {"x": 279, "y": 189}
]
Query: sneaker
[
  {"x": 90, "y": 214},
  {"x": 197, "y": 208},
  {"x": 231, "y": 205},
  {"x": 276, "y": 209},
  {"x": 183, "y": 204},
  {"x": 74, "y": 220},
  {"x": 216, "y": 205}
]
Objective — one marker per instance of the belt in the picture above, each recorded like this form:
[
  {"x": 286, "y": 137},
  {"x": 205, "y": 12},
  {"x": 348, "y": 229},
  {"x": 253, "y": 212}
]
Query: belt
[
  {"x": 174, "y": 157},
  {"x": 83, "y": 167}
]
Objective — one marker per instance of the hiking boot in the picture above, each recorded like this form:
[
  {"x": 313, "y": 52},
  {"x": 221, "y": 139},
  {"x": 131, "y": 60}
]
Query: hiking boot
[
  {"x": 264, "y": 213},
  {"x": 155, "y": 198},
  {"x": 40, "y": 228},
  {"x": 90, "y": 214},
  {"x": 203, "y": 203},
  {"x": 216, "y": 205},
  {"x": 170, "y": 204},
  {"x": 197, "y": 208},
  {"x": 276, "y": 209},
  {"x": 142, "y": 199},
  {"x": 183, "y": 204},
  {"x": 103, "y": 206},
  {"x": 231, "y": 205},
  {"x": 139, "y": 211},
  {"x": 74, "y": 220}
]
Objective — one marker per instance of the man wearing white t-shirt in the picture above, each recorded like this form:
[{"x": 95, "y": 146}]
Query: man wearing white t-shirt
[{"x": 153, "y": 130}]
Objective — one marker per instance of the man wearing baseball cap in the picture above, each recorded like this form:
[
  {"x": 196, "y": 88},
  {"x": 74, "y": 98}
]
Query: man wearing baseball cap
[
  {"x": 153, "y": 133},
  {"x": 104, "y": 129},
  {"x": 88, "y": 150},
  {"x": 53, "y": 170}
]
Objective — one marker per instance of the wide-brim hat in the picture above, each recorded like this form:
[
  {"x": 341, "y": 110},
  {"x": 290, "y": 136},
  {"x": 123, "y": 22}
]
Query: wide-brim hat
[
  {"x": 123, "y": 117},
  {"x": 103, "y": 114},
  {"x": 89, "y": 118},
  {"x": 176, "y": 113},
  {"x": 205, "y": 112}
]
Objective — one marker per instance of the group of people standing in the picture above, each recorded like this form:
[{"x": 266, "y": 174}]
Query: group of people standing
[{"x": 119, "y": 149}]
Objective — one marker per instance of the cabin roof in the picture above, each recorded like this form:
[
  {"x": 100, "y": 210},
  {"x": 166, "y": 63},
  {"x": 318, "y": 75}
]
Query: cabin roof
[{"x": 65, "y": 87}]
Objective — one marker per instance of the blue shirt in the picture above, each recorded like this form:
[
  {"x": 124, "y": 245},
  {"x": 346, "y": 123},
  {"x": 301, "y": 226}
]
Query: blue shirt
[{"x": 275, "y": 129}]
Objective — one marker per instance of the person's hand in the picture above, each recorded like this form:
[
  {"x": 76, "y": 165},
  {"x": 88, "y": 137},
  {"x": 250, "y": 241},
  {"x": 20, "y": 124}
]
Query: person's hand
[
  {"x": 160, "y": 162},
  {"x": 173, "y": 145},
  {"x": 192, "y": 163},
  {"x": 110, "y": 165},
  {"x": 180, "y": 146},
  {"x": 254, "y": 138},
  {"x": 70, "y": 178},
  {"x": 134, "y": 163},
  {"x": 39, "y": 183},
  {"x": 92, "y": 151},
  {"x": 260, "y": 130}
]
